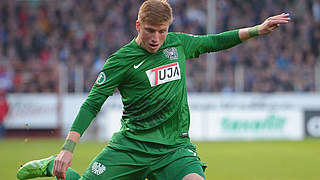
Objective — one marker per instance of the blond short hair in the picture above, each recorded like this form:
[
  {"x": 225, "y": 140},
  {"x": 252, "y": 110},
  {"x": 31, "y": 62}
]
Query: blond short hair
[{"x": 155, "y": 12}]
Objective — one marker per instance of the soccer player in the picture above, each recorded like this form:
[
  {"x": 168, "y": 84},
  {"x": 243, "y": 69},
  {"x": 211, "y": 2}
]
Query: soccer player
[{"x": 150, "y": 74}]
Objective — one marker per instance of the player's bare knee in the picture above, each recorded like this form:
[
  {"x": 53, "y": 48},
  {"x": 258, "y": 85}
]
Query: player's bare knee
[{"x": 193, "y": 176}]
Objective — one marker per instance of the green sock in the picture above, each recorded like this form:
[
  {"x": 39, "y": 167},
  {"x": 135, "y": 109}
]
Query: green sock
[
  {"x": 50, "y": 168},
  {"x": 70, "y": 174}
]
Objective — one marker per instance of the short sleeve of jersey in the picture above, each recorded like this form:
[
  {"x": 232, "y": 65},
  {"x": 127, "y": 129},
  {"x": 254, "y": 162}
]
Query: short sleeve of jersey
[
  {"x": 110, "y": 77},
  {"x": 195, "y": 45}
]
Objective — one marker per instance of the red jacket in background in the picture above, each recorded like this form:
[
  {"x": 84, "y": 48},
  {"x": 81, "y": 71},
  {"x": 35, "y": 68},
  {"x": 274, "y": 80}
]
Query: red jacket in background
[{"x": 4, "y": 108}]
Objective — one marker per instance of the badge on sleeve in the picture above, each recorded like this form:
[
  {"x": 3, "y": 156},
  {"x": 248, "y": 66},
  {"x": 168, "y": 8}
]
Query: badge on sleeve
[
  {"x": 171, "y": 53},
  {"x": 101, "y": 78}
]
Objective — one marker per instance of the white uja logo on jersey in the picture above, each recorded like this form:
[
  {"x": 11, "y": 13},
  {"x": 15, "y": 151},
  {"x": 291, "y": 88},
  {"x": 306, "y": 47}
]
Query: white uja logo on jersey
[{"x": 163, "y": 74}]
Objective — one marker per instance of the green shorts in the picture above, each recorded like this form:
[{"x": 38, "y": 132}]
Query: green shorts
[{"x": 134, "y": 165}]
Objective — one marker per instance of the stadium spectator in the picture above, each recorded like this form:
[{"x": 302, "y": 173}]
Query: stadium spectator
[{"x": 4, "y": 109}]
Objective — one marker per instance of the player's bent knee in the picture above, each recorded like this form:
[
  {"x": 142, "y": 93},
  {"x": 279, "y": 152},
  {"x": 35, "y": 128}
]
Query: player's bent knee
[{"x": 193, "y": 176}]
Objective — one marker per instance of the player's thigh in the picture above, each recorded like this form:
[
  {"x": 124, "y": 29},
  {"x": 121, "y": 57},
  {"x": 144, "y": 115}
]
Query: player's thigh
[
  {"x": 117, "y": 173},
  {"x": 113, "y": 164},
  {"x": 179, "y": 169},
  {"x": 193, "y": 176}
]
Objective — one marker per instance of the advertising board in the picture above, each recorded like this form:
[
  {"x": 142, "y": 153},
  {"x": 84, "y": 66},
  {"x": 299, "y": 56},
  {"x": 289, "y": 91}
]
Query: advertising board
[
  {"x": 312, "y": 123},
  {"x": 247, "y": 124},
  {"x": 32, "y": 111}
]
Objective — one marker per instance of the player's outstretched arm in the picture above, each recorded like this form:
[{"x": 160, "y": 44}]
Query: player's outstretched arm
[
  {"x": 268, "y": 26},
  {"x": 64, "y": 158}
]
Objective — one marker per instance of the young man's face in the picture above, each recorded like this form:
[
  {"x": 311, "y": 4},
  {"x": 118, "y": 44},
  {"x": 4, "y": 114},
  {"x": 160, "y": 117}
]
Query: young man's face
[{"x": 151, "y": 36}]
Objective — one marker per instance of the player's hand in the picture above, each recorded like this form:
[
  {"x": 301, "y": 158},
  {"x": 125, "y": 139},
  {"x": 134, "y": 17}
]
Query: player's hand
[
  {"x": 273, "y": 23},
  {"x": 61, "y": 164}
]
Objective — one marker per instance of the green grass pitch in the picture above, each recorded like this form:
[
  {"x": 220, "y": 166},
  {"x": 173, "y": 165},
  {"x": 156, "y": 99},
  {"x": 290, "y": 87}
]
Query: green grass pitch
[{"x": 257, "y": 160}]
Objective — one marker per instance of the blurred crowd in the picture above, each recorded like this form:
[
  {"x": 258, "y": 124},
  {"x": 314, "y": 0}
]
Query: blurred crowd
[
  {"x": 46, "y": 41},
  {"x": 285, "y": 61}
]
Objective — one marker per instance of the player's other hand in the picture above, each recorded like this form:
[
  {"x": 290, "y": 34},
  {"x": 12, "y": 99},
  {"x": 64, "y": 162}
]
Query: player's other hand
[
  {"x": 272, "y": 23},
  {"x": 61, "y": 164}
]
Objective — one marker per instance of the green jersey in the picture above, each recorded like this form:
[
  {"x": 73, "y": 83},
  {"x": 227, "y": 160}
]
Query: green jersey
[{"x": 152, "y": 87}]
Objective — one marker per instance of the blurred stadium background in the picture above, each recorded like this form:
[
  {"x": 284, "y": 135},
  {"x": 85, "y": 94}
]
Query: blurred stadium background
[{"x": 255, "y": 109}]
